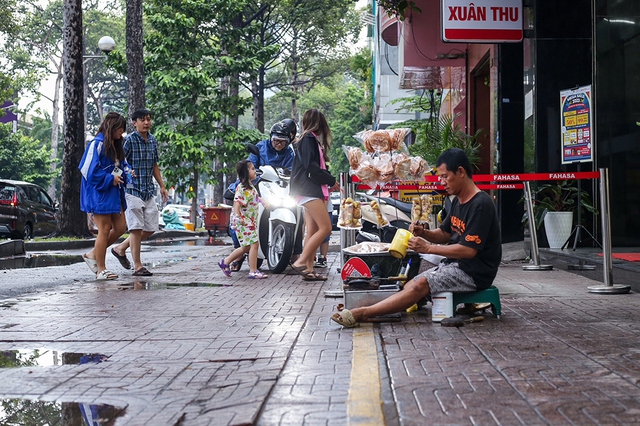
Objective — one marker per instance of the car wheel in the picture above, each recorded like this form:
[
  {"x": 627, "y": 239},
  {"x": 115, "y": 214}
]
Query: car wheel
[{"x": 27, "y": 232}]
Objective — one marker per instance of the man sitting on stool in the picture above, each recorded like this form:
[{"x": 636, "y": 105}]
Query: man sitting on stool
[{"x": 470, "y": 238}]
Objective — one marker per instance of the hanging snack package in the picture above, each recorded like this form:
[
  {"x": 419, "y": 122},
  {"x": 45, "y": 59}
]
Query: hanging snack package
[
  {"x": 402, "y": 166},
  {"x": 417, "y": 168},
  {"x": 425, "y": 201},
  {"x": 350, "y": 214},
  {"x": 380, "y": 217},
  {"x": 384, "y": 165},
  {"x": 416, "y": 209},
  {"x": 387, "y": 140}
]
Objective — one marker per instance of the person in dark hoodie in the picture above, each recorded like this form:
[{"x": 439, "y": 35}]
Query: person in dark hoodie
[{"x": 311, "y": 183}]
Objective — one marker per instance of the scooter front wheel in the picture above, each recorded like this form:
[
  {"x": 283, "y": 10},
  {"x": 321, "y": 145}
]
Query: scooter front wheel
[{"x": 280, "y": 247}]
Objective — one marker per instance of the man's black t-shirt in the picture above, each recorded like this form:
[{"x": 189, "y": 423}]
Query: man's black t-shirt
[{"x": 475, "y": 224}]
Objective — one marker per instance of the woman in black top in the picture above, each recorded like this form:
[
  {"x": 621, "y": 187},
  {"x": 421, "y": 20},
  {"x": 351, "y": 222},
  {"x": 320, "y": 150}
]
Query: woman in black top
[{"x": 310, "y": 184}]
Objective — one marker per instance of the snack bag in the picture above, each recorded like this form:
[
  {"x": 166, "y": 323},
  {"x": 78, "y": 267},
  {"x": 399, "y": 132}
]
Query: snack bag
[
  {"x": 380, "y": 217},
  {"x": 425, "y": 201},
  {"x": 416, "y": 209},
  {"x": 350, "y": 214}
]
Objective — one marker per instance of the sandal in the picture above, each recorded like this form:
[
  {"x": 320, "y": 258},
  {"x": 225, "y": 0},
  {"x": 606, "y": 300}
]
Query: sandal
[
  {"x": 345, "y": 318},
  {"x": 224, "y": 267},
  {"x": 236, "y": 264},
  {"x": 91, "y": 263},
  {"x": 142, "y": 272},
  {"x": 302, "y": 270},
  {"x": 257, "y": 275},
  {"x": 122, "y": 258},
  {"x": 313, "y": 276},
  {"x": 106, "y": 275}
]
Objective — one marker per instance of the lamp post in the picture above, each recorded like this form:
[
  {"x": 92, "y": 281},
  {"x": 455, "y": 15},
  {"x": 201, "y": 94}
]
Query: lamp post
[{"x": 106, "y": 44}]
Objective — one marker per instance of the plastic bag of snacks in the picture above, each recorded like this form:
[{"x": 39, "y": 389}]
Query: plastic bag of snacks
[
  {"x": 350, "y": 214},
  {"x": 381, "y": 167},
  {"x": 382, "y": 221},
  {"x": 386, "y": 140},
  {"x": 421, "y": 209}
]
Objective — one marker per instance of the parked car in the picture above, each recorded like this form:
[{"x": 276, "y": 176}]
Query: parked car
[
  {"x": 26, "y": 210},
  {"x": 184, "y": 213}
]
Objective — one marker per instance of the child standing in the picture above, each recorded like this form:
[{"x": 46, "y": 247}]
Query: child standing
[{"x": 244, "y": 220}]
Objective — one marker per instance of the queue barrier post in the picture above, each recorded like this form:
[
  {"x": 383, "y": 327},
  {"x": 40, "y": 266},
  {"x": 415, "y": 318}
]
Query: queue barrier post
[
  {"x": 535, "y": 254},
  {"x": 607, "y": 264}
]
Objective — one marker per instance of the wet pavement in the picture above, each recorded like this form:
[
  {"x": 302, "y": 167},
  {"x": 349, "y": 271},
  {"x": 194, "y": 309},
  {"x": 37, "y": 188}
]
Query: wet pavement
[{"x": 189, "y": 346}]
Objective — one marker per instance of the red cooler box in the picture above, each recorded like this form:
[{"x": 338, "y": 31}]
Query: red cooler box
[{"x": 216, "y": 218}]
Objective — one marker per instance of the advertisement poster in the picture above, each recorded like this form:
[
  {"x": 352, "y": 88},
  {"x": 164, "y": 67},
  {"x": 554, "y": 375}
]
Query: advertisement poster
[{"x": 576, "y": 122}]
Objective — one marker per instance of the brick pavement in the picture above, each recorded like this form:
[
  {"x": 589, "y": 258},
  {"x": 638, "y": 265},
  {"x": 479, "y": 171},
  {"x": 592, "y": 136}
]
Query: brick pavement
[{"x": 264, "y": 352}]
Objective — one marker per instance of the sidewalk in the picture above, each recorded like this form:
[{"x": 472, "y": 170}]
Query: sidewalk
[{"x": 192, "y": 347}]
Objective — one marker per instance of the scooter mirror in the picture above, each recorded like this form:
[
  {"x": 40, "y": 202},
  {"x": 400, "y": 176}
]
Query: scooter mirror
[{"x": 255, "y": 151}]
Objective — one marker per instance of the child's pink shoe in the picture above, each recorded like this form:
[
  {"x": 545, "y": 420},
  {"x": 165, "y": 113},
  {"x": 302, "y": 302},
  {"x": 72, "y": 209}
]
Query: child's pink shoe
[{"x": 257, "y": 275}]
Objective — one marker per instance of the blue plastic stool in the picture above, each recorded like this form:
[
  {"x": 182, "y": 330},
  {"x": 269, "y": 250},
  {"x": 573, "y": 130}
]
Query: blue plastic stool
[{"x": 490, "y": 295}]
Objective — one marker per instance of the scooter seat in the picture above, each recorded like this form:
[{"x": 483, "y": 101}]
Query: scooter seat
[{"x": 400, "y": 205}]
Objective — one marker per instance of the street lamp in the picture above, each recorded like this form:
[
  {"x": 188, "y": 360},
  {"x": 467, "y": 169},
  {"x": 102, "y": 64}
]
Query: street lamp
[{"x": 106, "y": 44}]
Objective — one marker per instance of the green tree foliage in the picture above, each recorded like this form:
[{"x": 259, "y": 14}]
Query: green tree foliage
[
  {"x": 312, "y": 40},
  {"x": 23, "y": 158},
  {"x": 7, "y": 23},
  {"x": 191, "y": 48}
]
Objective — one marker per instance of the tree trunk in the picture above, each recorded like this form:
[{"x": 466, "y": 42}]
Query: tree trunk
[
  {"x": 258, "y": 100},
  {"x": 135, "y": 59},
  {"x": 53, "y": 187},
  {"x": 72, "y": 221},
  {"x": 294, "y": 83}
]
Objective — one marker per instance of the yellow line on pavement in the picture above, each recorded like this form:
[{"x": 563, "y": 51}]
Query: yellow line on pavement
[{"x": 364, "y": 406}]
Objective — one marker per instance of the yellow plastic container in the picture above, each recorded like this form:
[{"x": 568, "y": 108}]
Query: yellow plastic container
[
  {"x": 189, "y": 226},
  {"x": 400, "y": 243}
]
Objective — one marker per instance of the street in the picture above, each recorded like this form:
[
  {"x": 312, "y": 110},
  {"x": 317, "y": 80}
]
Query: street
[
  {"x": 192, "y": 347},
  {"x": 20, "y": 281}
]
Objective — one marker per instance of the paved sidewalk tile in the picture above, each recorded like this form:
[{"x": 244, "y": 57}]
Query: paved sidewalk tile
[{"x": 236, "y": 351}]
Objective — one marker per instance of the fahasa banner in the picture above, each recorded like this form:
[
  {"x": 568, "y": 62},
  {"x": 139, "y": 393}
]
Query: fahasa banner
[
  {"x": 482, "y": 21},
  {"x": 576, "y": 128}
]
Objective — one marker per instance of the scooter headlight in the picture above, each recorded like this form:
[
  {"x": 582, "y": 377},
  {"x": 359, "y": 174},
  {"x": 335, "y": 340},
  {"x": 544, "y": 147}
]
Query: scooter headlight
[{"x": 289, "y": 202}]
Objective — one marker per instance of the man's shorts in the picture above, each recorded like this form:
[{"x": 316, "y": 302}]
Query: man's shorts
[
  {"x": 448, "y": 277},
  {"x": 141, "y": 214}
]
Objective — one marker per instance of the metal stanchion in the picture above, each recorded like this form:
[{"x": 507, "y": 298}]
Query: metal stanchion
[
  {"x": 608, "y": 287},
  {"x": 347, "y": 237},
  {"x": 535, "y": 256}
]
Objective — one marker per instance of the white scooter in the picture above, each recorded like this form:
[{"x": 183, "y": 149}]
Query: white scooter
[{"x": 277, "y": 226}]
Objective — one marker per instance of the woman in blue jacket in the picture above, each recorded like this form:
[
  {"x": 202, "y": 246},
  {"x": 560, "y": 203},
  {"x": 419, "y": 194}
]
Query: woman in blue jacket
[
  {"x": 311, "y": 183},
  {"x": 102, "y": 190}
]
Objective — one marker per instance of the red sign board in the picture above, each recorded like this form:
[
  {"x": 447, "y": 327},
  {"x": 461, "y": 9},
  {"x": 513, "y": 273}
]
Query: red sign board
[
  {"x": 355, "y": 267},
  {"x": 482, "y": 21}
]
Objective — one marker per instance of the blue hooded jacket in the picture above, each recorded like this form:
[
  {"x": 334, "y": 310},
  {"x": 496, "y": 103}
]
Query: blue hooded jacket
[
  {"x": 97, "y": 193},
  {"x": 271, "y": 157}
]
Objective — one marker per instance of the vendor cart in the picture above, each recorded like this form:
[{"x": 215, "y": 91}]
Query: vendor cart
[{"x": 216, "y": 219}]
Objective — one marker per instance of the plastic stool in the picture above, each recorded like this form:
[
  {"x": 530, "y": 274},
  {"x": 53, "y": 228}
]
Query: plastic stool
[{"x": 490, "y": 295}]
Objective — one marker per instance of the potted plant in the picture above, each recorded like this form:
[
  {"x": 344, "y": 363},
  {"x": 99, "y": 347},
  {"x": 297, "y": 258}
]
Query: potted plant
[{"x": 556, "y": 205}]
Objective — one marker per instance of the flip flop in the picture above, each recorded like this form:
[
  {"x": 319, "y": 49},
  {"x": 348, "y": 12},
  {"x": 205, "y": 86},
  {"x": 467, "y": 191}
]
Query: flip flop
[
  {"x": 91, "y": 263},
  {"x": 302, "y": 270},
  {"x": 313, "y": 276},
  {"x": 345, "y": 318},
  {"x": 142, "y": 272},
  {"x": 122, "y": 259}
]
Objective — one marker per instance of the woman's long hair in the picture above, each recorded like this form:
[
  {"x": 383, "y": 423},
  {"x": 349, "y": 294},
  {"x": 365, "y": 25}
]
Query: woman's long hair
[
  {"x": 314, "y": 121},
  {"x": 242, "y": 169},
  {"x": 113, "y": 148}
]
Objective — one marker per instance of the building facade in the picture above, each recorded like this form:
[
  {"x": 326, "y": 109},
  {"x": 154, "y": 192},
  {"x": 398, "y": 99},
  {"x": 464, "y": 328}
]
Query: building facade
[{"x": 512, "y": 92}]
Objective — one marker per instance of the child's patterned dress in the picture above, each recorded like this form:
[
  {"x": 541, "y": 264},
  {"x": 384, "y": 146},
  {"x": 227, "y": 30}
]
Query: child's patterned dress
[{"x": 246, "y": 224}]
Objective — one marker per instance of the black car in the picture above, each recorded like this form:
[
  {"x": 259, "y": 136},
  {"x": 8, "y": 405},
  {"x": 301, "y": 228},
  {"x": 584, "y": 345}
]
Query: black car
[{"x": 26, "y": 210}]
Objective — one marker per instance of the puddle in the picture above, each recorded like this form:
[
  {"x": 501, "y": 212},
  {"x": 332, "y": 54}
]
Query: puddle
[
  {"x": 151, "y": 285},
  {"x": 190, "y": 242},
  {"x": 41, "y": 413},
  {"x": 39, "y": 261},
  {"x": 43, "y": 357}
]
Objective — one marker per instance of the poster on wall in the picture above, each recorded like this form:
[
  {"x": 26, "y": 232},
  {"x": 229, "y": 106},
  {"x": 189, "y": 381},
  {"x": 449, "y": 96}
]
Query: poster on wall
[{"x": 576, "y": 121}]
